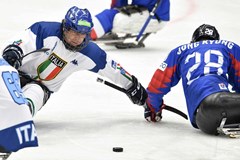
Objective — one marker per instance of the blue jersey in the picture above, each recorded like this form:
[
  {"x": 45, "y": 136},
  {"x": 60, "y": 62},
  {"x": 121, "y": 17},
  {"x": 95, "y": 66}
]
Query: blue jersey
[
  {"x": 162, "y": 11},
  {"x": 205, "y": 67}
]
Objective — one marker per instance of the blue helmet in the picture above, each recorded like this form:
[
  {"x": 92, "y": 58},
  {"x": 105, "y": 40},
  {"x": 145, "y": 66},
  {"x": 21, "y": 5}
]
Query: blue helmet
[
  {"x": 80, "y": 21},
  {"x": 205, "y": 32}
]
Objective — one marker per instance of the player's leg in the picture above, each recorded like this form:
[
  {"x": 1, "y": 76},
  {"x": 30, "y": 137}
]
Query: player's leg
[
  {"x": 103, "y": 23},
  {"x": 35, "y": 92},
  {"x": 17, "y": 129},
  {"x": 214, "y": 108},
  {"x": 37, "y": 95},
  {"x": 133, "y": 23}
]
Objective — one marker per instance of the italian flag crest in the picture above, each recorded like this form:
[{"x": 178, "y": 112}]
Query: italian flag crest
[{"x": 50, "y": 68}]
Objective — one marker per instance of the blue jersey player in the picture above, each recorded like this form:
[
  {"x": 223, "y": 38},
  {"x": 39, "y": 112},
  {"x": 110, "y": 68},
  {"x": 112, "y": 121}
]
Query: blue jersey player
[
  {"x": 207, "y": 67},
  {"x": 129, "y": 18}
]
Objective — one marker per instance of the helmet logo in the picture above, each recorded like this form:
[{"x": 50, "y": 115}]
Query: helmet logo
[
  {"x": 209, "y": 31},
  {"x": 84, "y": 23},
  {"x": 73, "y": 14},
  {"x": 205, "y": 32}
]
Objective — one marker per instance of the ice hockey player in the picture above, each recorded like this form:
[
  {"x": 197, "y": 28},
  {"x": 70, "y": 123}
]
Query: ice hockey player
[
  {"x": 207, "y": 66},
  {"x": 17, "y": 129},
  {"x": 70, "y": 50},
  {"x": 124, "y": 20}
]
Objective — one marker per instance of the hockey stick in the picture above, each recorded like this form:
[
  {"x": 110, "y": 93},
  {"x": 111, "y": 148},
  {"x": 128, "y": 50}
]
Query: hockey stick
[
  {"x": 148, "y": 19},
  {"x": 38, "y": 50},
  {"x": 118, "y": 40},
  {"x": 167, "y": 107}
]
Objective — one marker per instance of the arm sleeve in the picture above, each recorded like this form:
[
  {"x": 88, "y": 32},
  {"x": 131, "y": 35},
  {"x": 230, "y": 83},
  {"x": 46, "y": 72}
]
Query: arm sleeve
[
  {"x": 119, "y": 3},
  {"x": 234, "y": 68},
  {"x": 106, "y": 66},
  {"x": 165, "y": 77},
  {"x": 163, "y": 11},
  {"x": 116, "y": 73},
  {"x": 25, "y": 40}
]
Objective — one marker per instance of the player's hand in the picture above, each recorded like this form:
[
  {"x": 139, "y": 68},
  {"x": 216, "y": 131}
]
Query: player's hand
[
  {"x": 13, "y": 54},
  {"x": 150, "y": 115},
  {"x": 137, "y": 92}
]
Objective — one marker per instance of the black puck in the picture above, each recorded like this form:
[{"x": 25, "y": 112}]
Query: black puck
[{"x": 117, "y": 149}]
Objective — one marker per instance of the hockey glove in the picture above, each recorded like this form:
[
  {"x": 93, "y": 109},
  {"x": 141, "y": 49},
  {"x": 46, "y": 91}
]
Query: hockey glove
[
  {"x": 131, "y": 9},
  {"x": 150, "y": 115},
  {"x": 13, "y": 54},
  {"x": 137, "y": 92}
]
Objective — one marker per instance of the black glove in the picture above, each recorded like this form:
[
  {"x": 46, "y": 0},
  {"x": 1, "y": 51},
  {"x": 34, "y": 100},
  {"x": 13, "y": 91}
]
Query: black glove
[
  {"x": 150, "y": 115},
  {"x": 13, "y": 54},
  {"x": 131, "y": 9},
  {"x": 137, "y": 92}
]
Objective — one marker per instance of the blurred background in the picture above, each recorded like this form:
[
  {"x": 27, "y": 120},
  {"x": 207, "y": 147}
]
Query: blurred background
[{"x": 85, "y": 119}]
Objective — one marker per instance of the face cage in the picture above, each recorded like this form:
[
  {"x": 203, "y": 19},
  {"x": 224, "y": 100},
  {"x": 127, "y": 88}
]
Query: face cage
[{"x": 79, "y": 47}]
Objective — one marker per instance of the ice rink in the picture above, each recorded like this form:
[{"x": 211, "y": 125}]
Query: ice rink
[{"x": 85, "y": 119}]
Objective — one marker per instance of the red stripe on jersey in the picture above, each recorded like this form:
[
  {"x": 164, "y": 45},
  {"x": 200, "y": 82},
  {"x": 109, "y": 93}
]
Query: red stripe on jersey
[
  {"x": 93, "y": 34},
  {"x": 160, "y": 78},
  {"x": 113, "y": 3},
  {"x": 235, "y": 65}
]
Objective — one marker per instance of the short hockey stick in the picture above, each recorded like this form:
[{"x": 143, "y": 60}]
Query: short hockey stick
[
  {"x": 152, "y": 13},
  {"x": 38, "y": 50},
  {"x": 167, "y": 107}
]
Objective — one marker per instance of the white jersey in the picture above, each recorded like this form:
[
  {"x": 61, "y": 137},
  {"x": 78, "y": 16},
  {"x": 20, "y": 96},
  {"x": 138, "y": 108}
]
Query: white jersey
[
  {"x": 54, "y": 66},
  {"x": 16, "y": 126}
]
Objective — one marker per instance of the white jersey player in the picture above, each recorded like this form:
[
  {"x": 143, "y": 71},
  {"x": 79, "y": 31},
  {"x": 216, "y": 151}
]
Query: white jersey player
[
  {"x": 70, "y": 50},
  {"x": 17, "y": 129}
]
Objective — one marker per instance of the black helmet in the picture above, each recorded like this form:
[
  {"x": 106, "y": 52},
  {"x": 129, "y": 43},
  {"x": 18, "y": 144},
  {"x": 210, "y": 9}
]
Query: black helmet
[{"x": 205, "y": 32}]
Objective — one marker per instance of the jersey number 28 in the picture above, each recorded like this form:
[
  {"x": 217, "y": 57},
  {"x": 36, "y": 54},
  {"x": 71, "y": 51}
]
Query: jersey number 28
[{"x": 207, "y": 63}]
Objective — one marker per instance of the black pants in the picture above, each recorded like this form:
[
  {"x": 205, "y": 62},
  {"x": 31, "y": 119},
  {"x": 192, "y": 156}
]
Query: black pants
[
  {"x": 215, "y": 107},
  {"x": 2, "y": 150}
]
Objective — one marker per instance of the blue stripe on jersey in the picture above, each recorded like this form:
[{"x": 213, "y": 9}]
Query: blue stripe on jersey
[
  {"x": 3, "y": 62},
  {"x": 44, "y": 30},
  {"x": 19, "y": 136},
  {"x": 96, "y": 54}
]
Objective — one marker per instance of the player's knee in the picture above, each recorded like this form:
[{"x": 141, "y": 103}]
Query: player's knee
[
  {"x": 136, "y": 20},
  {"x": 210, "y": 113}
]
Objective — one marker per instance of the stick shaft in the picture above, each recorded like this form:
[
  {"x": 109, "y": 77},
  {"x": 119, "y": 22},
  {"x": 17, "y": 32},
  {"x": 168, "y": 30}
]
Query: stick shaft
[
  {"x": 167, "y": 107},
  {"x": 38, "y": 50},
  {"x": 148, "y": 20}
]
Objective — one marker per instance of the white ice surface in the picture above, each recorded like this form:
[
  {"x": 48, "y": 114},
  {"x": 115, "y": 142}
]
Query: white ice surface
[{"x": 85, "y": 119}]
